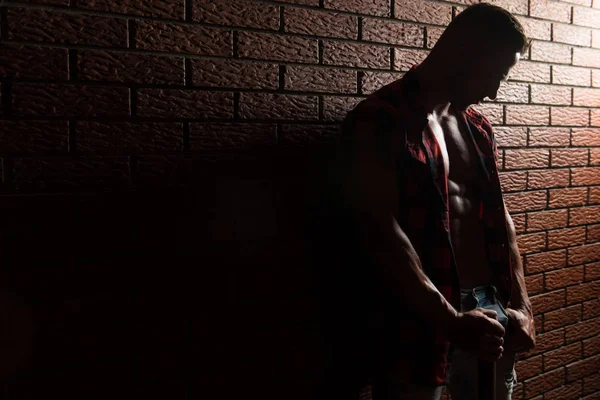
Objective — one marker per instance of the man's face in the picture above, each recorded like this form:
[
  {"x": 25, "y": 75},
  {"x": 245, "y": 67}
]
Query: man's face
[{"x": 483, "y": 79}]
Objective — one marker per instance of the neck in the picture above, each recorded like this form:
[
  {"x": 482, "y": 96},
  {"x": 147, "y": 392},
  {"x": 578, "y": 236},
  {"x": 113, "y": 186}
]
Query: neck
[{"x": 433, "y": 82}]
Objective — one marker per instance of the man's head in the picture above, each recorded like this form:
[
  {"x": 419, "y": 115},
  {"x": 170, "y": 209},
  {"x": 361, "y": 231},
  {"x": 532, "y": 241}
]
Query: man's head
[{"x": 477, "y": 50}]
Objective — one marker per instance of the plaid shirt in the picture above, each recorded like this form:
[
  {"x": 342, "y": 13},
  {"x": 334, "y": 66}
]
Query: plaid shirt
[{"x": 406, "y": 344}]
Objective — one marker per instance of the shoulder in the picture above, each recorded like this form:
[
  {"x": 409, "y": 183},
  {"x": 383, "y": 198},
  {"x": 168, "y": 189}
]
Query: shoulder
[{"x": 481, "y": 120}]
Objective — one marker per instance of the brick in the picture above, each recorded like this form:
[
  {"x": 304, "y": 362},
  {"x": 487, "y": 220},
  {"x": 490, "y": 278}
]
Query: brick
[
  {"x": 297, "y": 135},
  {"x": 24, "y": 61},
  {"x": 536, "y": 29},
  {"x": 563, "y": 278},
  {"x": 544, "y": 383},
  {"x": 583, "y": 292},
  {"x": 370, "y": 7},
  {"x": 530, "y": 72},
  {"x": 493, "y": 112},
  {"x": 562, "y": 356},
  {"x": 316, "y": 79},
  {"x": 228, "y": 136},
  {"x": 52, "y": 2},
  {"x": 548, "y": 178},
  {"x": 356, "y": 55},
  {"x": 51, "y": 175},
  {"x": 562, "y": 317},
  {"x": 404, "y": 59},
  {"x": 587, "y": 3},
  {"x": 568, "y": 197},
  {"x": 549, "y": 137},
  {"x": 511, "y": 136},
  {"x": 586, "y": 57},
  {"x": 552, "y": 10},
  {"x": 594, "y": 195},
  {"x": 586, "y": 17},
  {"x": 586, "y": 97},
  {"x": 591, "y": 309},
  {"x": 592, "y": 272},
  {"x": 178, "y": 38},
  {"x": 129, "y": 137},
  {"x": 34, "y": 136},
  {"x": 176, "y": 103},
  {"x": 519, "y": 222},
  {"x": 433, "y": 34},
  {"x": 314, "y": 3},
  {"x": 96, "y": 65},
  {"x": 55, "y": 27},
  {"x": 595, "y": 157},
  {"x": 583, "y": 368},
  {"x": 595, "y": 118},
  {"x": 335, "y": 108},
  {"x": 532, "y": 243},
  {"x": 548, "y": 341},
  {"x": 571, "y": 391},
  {"x": 566, "y": 116},
  {"x": 551, "y": 52},
  {"x": 69, "y": 100},
  {"x": 527, "y": 115},
  {"x": 568, "y": 157},
  {"x": 278, "y": 106},
  {"x": 527, "y": 201},
  {"x": 513, "y": 181},
  {"x": 534, "y": 284},
  {"x": 572, "y": 35},
  {"x": 547, "y": 94},
  {"x": 566, "y": 75},
  {"x": 591, "y": 384},
  {"x": 595, "y": 77},
  {"x": 566, "y": 237},
  {"x": 593, "y": 233},
  {"x": 584, "y": 215},
  {"x": 585, "y": 176},
  {"x": 585, "y": 137},
  {"x": 320, "y": 23},
  {"x": 234, "y": 74},
  {"x": 372, "y": 81},
  {"x": 513, "y": 92},
  {"x": 173, "y": 9},
  {"x": 526, "y": 158},
  {"x": 236, "y": 13},
  {"x": 513, "y": 6},
  {"x": 596, "y": 38},
  {"x": 426, "y": 12},
  {"x": 591, "y": 347},
  {"x": 392, "y": 32},
  {"x": 528, "y": 368},
  {"x": 543, "y": 303},
  {"x": 544, "y": 220},
  {"x": 584, "y": 254}
]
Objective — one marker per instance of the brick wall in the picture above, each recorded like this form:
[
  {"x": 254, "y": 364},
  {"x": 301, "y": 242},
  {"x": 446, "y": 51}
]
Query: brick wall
[{"x": 111, "y": 111}]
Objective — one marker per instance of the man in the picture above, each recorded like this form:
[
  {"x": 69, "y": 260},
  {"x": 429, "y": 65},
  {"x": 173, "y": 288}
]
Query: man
[{"x": 417, "y": 184}]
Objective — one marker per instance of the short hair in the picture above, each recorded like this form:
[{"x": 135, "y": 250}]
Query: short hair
[{"x": 490, "y": 24}]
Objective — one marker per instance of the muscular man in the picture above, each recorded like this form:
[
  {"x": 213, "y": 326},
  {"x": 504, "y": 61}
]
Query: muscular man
[{"x": 417, "y": 178}]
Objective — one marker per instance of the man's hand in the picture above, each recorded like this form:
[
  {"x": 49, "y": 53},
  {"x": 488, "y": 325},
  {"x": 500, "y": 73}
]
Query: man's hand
[
  {"x": 521, "y": 331},
  {"x": 479, "y": 332}
]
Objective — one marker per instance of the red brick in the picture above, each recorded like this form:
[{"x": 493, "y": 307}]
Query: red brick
[
  {"x": 530, "y": 72},
  {"x": 96, "y": 65},
  {"x": 586, "y": 97},
  {"x": 433, "y": 34},
  {"x": 571, "y": 391},
  {"x": 572, "y": 34},
  {"x": 591, "y": 309},
  {"x": 583, "y": 330},
  {"x": 513, "y": 181},
  {"x": 320, "y": 23},
  {"x": 237, "y": 13},
  {"x": 549, "y": 178},
  {"x": 569, "y": 116},
  {"x": 595, "y": 118},
  {"x": 370, "y": 7},
  {"x": 562, "y": 317},
  {"x": 234, "y": 73},
  {"x": 564, "y": 277},
  {"x": 24, "y": 61},
  {"x": 278, "y": 47},
  {"x": 511, "y": 136},
  {"x": 129, "y": 137},
  {"x": 493, "y": 112},
  {"x": 548, "y": 301},
  {"x": 534, "y": 284},
  {"x": 546, "y": 261},
  {"x": 552, "y": 10},
  {"x": 586, "y": 17},
  {"x": 372, "y": 81},
  {"x": 583, "y": 368},
  {"x": 587, "y": 3},
  {"x": 161, "y": 36},
  {"x": 544, "y": 383},
  {"x": 592, "y": 272},
  {"x": 591, "y": 384},
  {"x": 548, "y": 94},
  {"x": 297, "y": 135},
  {"x": 548, "y": 341},
  {"x": 317, "y": 79},
  {"x": 532, "y": 243},
  {"x": 585, "y": 137},
  {"x": 568, "y": 157},
  {"x": 584, "y": 215},
  {"x": 568, "y": 197},
  {"x": 594, "y": 195},
  {"x": 34, "y": 136},
  {"x": 157, "y": 8},
  {"x": 549, "y": 137},
  {"x": 278, "y": 106},
  {"x": 584, "y": 254},
  {"x": 425, "y": 12},
  {"x": 585, "y": 176},
  {"x": 175, "y": 103},
  {"x": 546, "y": 220},
  {"x": 528, "y": 201},
  {"x": 566, "y": 237},
  {"x": 404, "y": 59},
  {"x": 335, "y": 108},
  {"x": 527, "y": 115},
  {"x": 586, "y": 57},
  {"x": 356, "y": 55},
  {"x": 551, "y": 52},
  {"x": 226, "y": 137},
  {"x": 591, "y": 347},
  {"x": 53, "y": 2},
  {"x": 69, "y": 100},
  {"x": 55, "y": 27},
  {"x": 513, "y": 92},
  {"x": 514, "y": 6},
  {"x": 563, "y": 356},
  {"x": 593, "y": 233},
  {"x": 595, "y": 157},
  {"x": 536, "y": 29},
  {"x": 583, "y": 292},
  {"x": 527, "y": 368},
  {"x": 526, "y": 158},
  {"x": 392, "y": 32},
  {"x": 566, "y": 75},
  {"x": 519, "y": 222}
]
